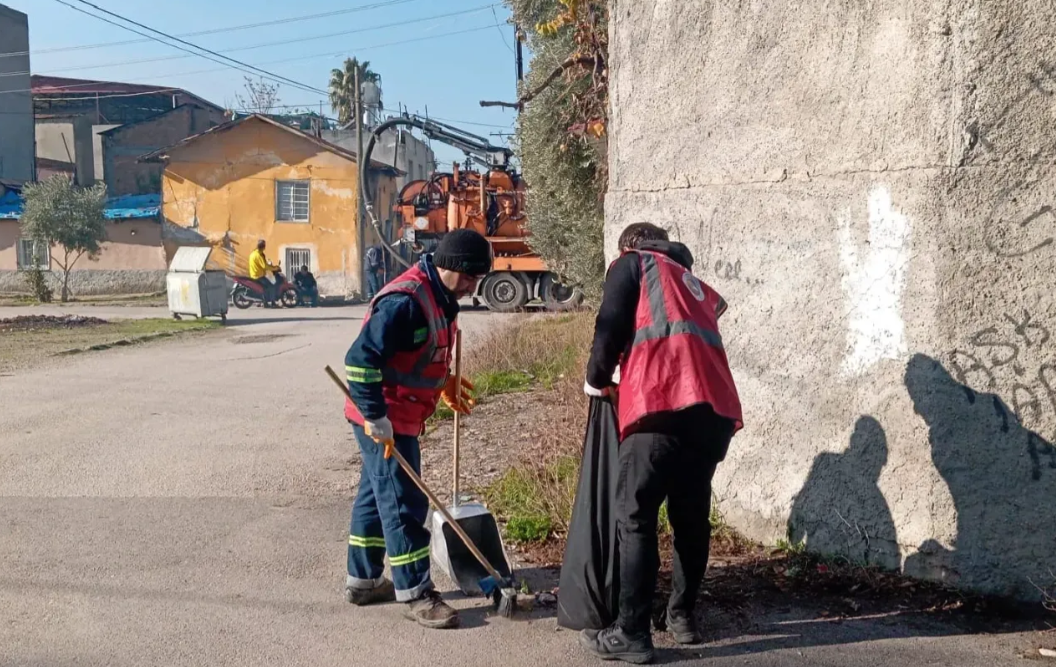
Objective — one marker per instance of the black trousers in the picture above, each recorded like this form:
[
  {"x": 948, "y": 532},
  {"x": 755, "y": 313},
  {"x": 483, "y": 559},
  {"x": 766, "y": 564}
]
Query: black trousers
[{"x": 672, "y": 457}]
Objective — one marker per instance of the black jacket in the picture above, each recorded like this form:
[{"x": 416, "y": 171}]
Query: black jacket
[
  {"x": 614, "y": 327},
  {"x": 304, "y": 279}
]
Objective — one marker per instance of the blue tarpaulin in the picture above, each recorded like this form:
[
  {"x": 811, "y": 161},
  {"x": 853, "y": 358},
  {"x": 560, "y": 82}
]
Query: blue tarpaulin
[
  {"x": 128, "y": 207},
  {"x": 10, "y": 206}
]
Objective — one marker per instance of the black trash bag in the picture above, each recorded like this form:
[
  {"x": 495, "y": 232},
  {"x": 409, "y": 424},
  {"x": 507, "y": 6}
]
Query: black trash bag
[{"x": 588, "y": 596}]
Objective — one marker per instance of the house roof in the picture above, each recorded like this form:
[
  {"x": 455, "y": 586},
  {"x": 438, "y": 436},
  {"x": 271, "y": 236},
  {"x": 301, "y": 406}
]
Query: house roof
[
  {"x": 162, "y": 154},
  {"x": 45, "y": 86}
]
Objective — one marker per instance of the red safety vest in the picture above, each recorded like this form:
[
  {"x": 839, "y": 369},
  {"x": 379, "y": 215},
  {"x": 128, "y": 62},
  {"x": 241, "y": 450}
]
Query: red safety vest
[
  {"x": 676, "y": 359},
  {"x": 412, "y": 381}
]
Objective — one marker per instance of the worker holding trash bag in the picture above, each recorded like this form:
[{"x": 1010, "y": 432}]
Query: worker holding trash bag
[
  {"x": 677, "y": 410},
  {"x": 398, "y": 369}
]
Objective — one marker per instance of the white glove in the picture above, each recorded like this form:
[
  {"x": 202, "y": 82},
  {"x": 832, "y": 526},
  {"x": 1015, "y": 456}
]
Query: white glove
[
  {"x": 594, "y": 392},
  {"x": 380, "y": 430}
]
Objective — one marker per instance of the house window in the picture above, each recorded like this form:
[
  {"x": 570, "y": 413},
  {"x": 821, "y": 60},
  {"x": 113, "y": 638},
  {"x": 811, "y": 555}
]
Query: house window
[
  {"x": 291, "y": 201},
  {"x": 33, "y": 254},
  {"x": 296, "y": 258}
]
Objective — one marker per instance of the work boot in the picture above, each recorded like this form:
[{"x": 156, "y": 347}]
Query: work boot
[
  {"x": 361, "y": 597},
  {"x": 683, "y": 627},
  {"x": 431, "y": 611},
  {"x": 613, "y": 643}
]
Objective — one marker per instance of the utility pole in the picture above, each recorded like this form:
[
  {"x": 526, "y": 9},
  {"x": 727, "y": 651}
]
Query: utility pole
[
  {"x": 520, "y": 52},
  {"x": 361, "y": 207}
]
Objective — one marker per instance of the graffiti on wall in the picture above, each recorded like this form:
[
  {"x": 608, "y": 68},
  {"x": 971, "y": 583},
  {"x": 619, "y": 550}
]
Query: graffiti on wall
[
  {"x": 994, "y": 359},
  {"x": 1023, "y": 221}
]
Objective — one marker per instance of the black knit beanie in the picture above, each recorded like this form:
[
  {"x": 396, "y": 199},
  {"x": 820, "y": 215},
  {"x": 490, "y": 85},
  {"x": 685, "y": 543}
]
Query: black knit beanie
[{"x": 464, "y": 251}]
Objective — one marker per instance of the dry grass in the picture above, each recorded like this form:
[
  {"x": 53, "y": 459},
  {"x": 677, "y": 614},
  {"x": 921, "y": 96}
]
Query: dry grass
[{"x": 547, "y": 355}]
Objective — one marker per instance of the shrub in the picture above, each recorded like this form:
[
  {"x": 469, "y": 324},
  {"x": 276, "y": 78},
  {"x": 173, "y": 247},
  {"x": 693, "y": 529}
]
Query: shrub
[{"x": 37, "y": 281}]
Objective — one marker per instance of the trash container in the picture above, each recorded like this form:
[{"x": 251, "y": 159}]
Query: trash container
[{"x": 193, "y": 289}]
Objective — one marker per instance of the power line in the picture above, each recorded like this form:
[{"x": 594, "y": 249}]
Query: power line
[
  {"x": 497, "y": 27},
  {"x": 214, "y": 31},
  {"x": 279, "y": 43},
  {"x": 329, "y": 54},
  {"x": 266, "y": 74}
]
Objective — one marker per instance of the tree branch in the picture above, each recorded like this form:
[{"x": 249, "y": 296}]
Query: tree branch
[{"x": 531, "y": 94}]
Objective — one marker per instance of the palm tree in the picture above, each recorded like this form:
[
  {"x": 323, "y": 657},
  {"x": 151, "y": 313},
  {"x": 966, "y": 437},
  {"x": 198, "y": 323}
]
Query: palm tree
[{"x": 343, "y": 86}]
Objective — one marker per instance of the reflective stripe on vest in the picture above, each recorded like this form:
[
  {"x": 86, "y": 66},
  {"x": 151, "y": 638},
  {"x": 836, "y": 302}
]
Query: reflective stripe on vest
[{"x": 661, "y": 327}]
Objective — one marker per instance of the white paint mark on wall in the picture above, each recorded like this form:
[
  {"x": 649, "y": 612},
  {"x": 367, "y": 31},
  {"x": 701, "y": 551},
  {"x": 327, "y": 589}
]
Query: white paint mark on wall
[
  {"x": 874, "y": 281},
  {"x": 324, "y": 186}
]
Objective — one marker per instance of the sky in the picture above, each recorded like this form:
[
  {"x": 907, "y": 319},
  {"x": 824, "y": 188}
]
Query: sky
[{"x": 422, "y": 64}]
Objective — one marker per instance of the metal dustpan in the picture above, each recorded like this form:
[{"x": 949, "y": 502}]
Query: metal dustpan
[{"x": 448, "y": 551}]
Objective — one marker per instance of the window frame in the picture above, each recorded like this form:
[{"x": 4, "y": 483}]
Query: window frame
[
  {"x": 293, "y": 184},
  {"x": 44, "y": 263}
]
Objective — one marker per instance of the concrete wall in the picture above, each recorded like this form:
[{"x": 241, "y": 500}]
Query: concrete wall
[
  {"x": 132, "y": 261},
  {"x": 68, "y": 139},
  {"x": 99, "y": 172},
  {"x": 122, "y": 148},
  {"x": 870, "y": 185},
  {"x": 16, "y": 108},
  {"x": 414, "y": 157},
  {"x": 223, "y": 187}
]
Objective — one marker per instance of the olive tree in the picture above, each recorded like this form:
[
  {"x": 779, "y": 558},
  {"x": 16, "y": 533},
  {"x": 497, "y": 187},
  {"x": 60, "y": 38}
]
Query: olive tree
[{"x": 59, "y": 213}]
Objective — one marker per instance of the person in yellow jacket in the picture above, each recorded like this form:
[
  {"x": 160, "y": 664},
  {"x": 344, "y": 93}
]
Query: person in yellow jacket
[{"x": 258, "y": 271}]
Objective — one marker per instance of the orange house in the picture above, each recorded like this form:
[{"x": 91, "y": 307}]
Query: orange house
[{"x": 256, "y": 178}]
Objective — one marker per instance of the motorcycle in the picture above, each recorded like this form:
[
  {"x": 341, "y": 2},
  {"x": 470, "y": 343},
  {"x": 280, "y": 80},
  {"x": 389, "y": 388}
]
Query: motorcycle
[{"x": 248, "y": 292}]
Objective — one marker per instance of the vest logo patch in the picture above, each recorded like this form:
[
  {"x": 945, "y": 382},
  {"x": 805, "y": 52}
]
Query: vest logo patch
[{"x": 693, "y": 285}]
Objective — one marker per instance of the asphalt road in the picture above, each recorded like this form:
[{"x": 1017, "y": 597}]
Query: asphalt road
[{"x": 186, "y": 503}]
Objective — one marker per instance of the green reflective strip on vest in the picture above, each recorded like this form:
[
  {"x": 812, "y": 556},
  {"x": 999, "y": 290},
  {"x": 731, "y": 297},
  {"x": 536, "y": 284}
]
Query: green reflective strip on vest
[
  {"x": 407, "y": 559},
  {"x": 366, "y": 542},
  {"x": 362, "y": 375},
  {"x": 420, "y": 335}
]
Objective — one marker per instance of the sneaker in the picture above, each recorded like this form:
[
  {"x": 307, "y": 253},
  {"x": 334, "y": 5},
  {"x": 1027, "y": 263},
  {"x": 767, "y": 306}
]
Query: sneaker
[
  {"x": 683, "y": 627},
  {"x": 614, "y": 644},
  {"x": 431, "y": 611},
  {"x": 361, "y": 597}
]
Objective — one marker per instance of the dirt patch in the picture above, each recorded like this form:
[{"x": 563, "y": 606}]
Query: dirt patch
[
  {"x": 495, "y": 436},
  {"x": 30, "y": 341},
  {"x": 257, "y": 339},
  {"x": 43, "y": 322}
]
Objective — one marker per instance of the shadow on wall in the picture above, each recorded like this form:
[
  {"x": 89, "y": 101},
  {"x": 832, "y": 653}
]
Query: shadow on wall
[
  {"x": 840, "y": 510},
  {"x": 1002, "y": 478}
]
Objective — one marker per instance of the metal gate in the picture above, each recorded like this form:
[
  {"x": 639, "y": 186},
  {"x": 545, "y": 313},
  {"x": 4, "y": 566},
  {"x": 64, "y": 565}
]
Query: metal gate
[{"x": 295, "y": 259}]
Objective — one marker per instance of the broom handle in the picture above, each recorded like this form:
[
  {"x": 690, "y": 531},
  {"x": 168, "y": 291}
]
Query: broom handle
[
  {"x": 458, "y": 432},
  {"x": 429, "y": 494}
]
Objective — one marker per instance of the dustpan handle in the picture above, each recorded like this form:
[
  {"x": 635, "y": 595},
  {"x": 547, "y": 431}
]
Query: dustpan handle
[{"x": 456, "y": 448}]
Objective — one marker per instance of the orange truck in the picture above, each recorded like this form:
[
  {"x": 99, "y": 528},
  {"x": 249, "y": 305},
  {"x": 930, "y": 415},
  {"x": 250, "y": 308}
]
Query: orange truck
[{"x": 487, "y": 195}]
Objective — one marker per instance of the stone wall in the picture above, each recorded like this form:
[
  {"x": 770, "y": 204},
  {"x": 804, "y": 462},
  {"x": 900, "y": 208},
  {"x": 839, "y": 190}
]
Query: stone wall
[{"x": 870, "y": 185}]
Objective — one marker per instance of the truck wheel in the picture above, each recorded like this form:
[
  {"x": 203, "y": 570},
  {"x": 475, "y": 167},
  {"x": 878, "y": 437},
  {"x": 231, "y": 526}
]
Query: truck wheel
[
  {"x": 557, "y": 296},
  {"x": 505, "y": 292}
]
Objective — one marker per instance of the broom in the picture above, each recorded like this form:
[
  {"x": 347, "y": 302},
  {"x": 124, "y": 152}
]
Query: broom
[{"x": 502, "y": 592}]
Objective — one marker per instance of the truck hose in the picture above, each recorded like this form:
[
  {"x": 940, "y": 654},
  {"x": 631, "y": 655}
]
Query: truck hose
[{"x": 368, "y": 196}]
